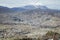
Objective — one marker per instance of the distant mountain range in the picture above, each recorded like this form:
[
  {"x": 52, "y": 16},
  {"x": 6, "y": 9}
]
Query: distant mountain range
[
  {"x": 5, "y": 9},
  {"x": 19, "y": 9}
]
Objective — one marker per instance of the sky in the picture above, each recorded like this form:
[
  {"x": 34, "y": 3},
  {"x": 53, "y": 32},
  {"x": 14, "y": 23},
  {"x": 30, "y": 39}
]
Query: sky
[{"x": 53, "y": 4}]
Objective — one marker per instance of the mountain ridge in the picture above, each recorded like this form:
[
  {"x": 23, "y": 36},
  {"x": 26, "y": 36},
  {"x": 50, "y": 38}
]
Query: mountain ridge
[{"x": 19, "y": 9}]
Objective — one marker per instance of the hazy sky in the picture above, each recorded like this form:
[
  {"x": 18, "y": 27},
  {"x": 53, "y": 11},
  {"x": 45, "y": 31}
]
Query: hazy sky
[{"x": 55, "y": 4}]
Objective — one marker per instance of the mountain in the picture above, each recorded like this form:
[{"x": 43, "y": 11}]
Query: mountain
[
  {"x": 32, "y": 15},
  {"x": 5, "y": 9},
  {"x": 28, "y": 21},
  {"x": 30, "y": 7},
  {"x": 39, "y": 17},
  {"x": 42, "y": 7},
  {"x": 26, "y": 8},
  {"x": 20, "y": 9}
]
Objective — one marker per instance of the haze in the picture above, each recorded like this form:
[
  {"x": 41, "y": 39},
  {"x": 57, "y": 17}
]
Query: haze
[{"x": 53, "y": 4}]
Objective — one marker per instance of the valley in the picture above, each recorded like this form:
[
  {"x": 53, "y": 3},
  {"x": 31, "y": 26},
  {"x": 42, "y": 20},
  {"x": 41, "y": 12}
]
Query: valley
[{"x": 30, "y": 23}]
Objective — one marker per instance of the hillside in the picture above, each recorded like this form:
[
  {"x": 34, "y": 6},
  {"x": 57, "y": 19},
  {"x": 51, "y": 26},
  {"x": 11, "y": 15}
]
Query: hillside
[{"x": 29, "y": 22}]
